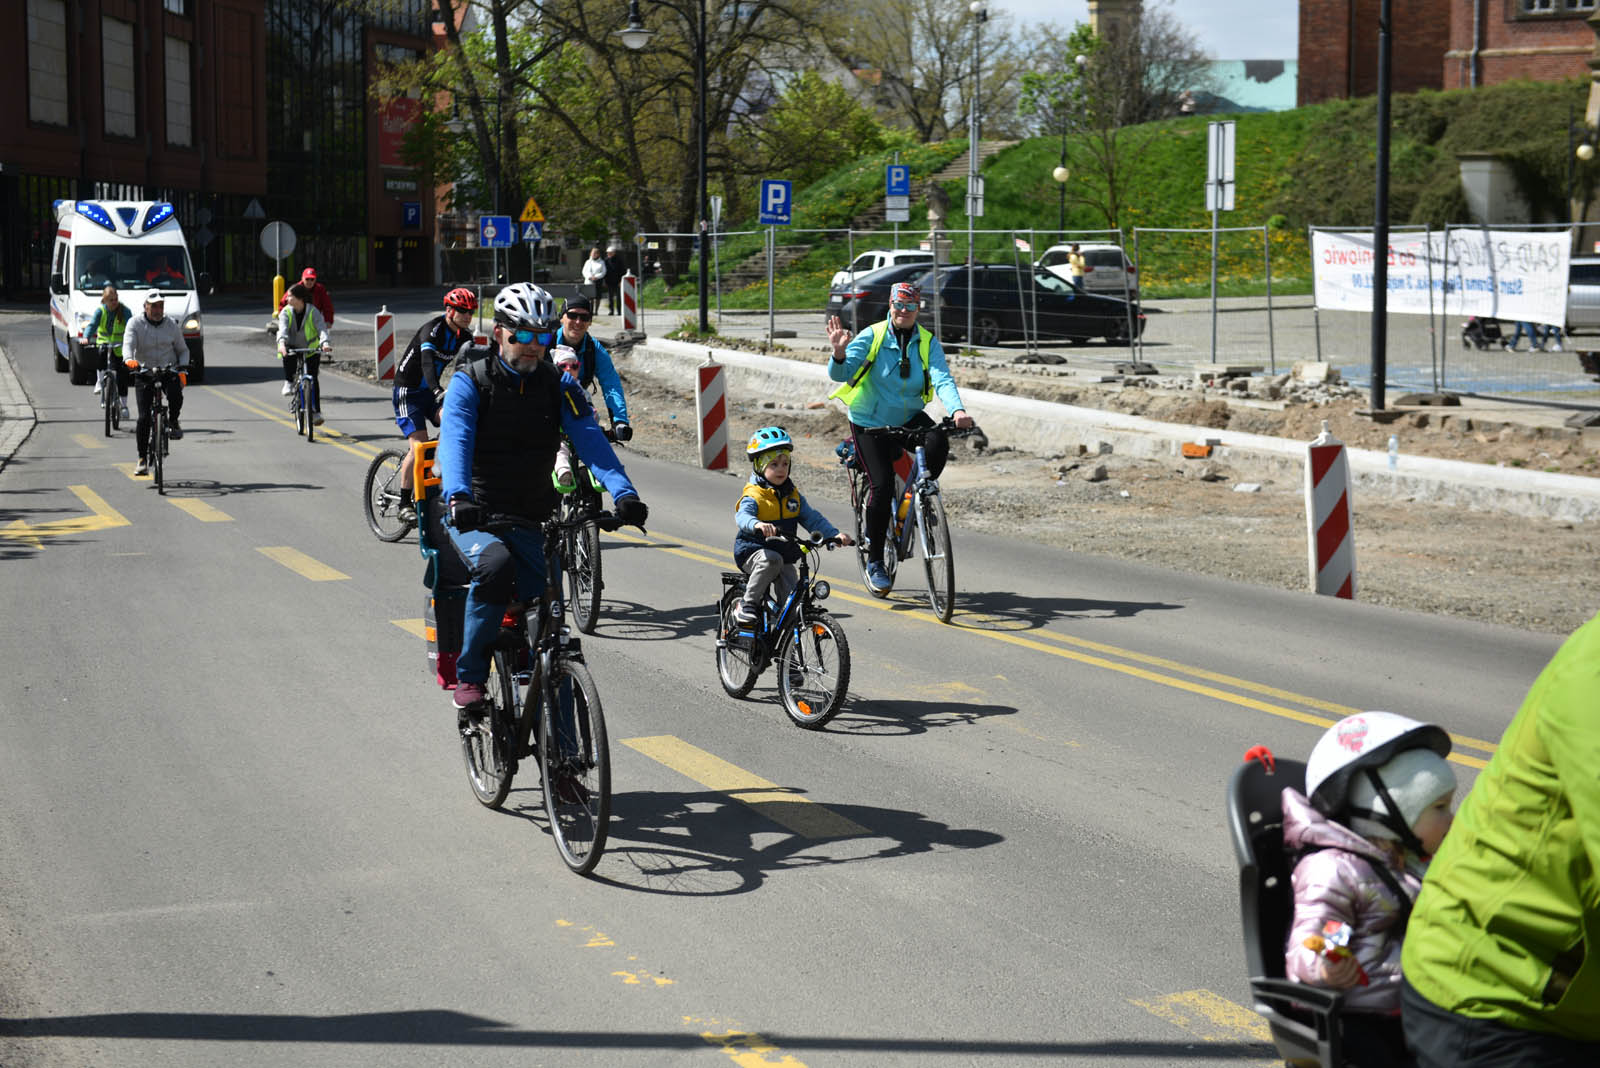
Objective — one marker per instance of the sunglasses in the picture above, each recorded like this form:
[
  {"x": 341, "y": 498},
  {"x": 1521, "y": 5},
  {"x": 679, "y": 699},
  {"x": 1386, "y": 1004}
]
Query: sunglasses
[
  {"x": 579, "y": 317},
  {"x": 528, "y": 337},
  {"x": 904, "y": 305}
]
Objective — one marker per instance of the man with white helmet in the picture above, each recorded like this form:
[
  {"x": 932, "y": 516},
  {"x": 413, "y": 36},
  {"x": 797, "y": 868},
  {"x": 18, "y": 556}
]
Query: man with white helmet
[
  {"x": 503, "y": 417},
  {"x": 1376, "y": 807}
]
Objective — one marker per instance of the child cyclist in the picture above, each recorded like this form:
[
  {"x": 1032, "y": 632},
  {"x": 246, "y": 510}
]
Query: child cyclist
[
  {"x": 566, "y": 361},
  {"x": 772, "y": 505},
  {"x": 1376, "y": 807}
]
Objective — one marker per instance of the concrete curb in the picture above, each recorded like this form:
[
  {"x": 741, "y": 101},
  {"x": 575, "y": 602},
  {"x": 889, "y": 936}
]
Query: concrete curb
[
  {"x": 1058, "y": 429},
  {"x": 17, "y": 417}
]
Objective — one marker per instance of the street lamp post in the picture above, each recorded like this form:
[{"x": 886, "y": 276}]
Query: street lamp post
[
  {"x": 635, "y": 36},
  {"x": 1061, "y": 173},
  {"x": 980, "y": 11}
]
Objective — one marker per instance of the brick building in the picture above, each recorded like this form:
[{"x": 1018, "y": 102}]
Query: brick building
[
  {"x": 233, "y": 110},
  {"x": 1436, "y": 45}
]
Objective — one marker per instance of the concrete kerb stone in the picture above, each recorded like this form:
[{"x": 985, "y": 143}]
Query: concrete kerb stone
[
  {"x": 16, "y": 411},
  {"x": 1052, "y": 429}
]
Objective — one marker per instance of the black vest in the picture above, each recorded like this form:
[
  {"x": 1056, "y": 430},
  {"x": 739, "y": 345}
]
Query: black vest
[{"x": 519, "y": 429}]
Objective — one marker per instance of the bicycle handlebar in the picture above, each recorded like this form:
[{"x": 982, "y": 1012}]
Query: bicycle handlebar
[
  {"x": 809, "y": 544},
  {"x": 947, "y": 425}
]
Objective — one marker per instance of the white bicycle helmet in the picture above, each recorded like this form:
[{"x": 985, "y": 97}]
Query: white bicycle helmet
[
  {"x": 1365, "y": 743},
  {"x": 525, "y": 306}
]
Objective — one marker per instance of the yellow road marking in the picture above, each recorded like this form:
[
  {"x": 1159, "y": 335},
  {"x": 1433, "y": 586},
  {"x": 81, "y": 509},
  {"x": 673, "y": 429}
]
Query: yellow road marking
[
  {"x": 1209, "y": 1016},
  {"x": 410, "y": 626},
  {"x": 89, "y": 441},
  {"x": 301, "y": 564},
  {"x": 326, "y": 434},
  {"x": 102, "y": 517},
  {"x": 777, "y": 803},
  {"x": 200, "y": 510},
  {"x": 901, "y": 611}
]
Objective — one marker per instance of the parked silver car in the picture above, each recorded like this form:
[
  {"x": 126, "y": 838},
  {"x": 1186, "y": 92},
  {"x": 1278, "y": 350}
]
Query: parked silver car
[{"x": 1583, "y": 294}]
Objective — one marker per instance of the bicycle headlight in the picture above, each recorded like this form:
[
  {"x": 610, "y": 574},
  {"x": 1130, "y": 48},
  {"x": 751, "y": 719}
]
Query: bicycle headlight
[
  {"x": 820, "y": 590},
  {"x": 191, "y": 325}
]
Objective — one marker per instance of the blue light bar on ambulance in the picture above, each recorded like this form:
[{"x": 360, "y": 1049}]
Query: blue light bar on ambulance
[
  {"x": 95, "y": 214},
  {"x": 159, "y": 213},
  {"x": 127, "y": 215}
]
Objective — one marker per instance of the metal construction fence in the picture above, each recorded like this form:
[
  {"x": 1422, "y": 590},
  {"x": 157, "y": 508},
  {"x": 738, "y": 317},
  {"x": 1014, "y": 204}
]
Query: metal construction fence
[{"x": 1013, "y": 308}]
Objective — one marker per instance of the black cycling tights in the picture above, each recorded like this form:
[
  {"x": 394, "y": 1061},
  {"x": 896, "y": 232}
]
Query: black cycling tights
[{"x": 877, "y": 456}]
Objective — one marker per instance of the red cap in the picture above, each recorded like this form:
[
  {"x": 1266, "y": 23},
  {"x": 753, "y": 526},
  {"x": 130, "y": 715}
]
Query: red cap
[{"x": 308, "y": 275}]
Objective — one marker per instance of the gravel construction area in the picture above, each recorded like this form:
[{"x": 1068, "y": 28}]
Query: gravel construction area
[{"x": 1190, "y": 515}]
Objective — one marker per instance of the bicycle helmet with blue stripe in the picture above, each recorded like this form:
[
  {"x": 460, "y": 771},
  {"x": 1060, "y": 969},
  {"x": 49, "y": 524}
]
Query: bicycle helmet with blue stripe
[
  {"x": 525, "y": 306},
  {"x": 767, "y": 439}
]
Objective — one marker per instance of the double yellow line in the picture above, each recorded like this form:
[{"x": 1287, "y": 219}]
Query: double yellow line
[{"x": 1161, "y": 671}]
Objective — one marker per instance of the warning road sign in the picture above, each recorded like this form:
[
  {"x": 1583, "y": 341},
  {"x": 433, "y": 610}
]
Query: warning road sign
[{"x": 531, "y": 212}]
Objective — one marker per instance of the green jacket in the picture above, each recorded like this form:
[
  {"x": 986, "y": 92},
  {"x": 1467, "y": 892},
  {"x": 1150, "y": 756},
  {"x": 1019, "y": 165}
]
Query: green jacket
[{"x": 1507, "y": 927}]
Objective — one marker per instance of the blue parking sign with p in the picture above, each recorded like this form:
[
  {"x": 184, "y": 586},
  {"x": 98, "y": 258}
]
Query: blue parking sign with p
[
  {"x": 897, "y": 180},
  {"x": 776, "y": 197}
]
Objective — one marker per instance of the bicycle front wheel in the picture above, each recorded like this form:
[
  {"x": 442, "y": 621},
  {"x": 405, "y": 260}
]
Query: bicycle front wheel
[
  {"x": 486, "y": 742},
  {"x": 814, "y": 670},
  {"x": 308, "y": 404},
  {"x": 575, "y": 763},
  {"x": 158, "y": 449},
  {"x": 737, "y": 662},
  {"x": 938, "y": 559},
  {"x": 583, "y": 576},
  {"x": 297, "y": 405},
  {"x": 380, "y": 496},
  {"x": 108, "y": 401}
]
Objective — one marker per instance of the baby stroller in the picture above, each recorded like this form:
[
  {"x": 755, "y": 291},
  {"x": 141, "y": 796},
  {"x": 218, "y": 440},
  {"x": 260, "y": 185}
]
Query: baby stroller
[{"x": 1480, "y": 333}]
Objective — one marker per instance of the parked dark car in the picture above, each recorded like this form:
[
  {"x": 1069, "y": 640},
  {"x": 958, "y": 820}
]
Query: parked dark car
[
  {"x": 1006, "y": 302},
  {"x": 866, "y": 301}
]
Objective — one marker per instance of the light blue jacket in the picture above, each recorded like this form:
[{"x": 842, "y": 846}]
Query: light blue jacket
[{"x": 886, "y": 399}]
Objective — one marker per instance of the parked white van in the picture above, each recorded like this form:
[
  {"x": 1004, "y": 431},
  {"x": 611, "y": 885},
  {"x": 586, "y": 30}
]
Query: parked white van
[
  {"x": 135, "y": 245},
  {"x": 872, "y": 259}
]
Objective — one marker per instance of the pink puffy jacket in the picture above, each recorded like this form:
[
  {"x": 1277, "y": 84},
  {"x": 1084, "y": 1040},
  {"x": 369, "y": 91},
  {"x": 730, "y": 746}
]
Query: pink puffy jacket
[{"x": 1337, "y": 883}]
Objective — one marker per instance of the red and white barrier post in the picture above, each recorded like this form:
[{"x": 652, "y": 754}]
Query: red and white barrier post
[
  {"x": 630, "y": 301},
  {"x": 1330, "y": 535},
  {"x": 711, "y": 408},
  {"x": 383, "y": 344}
]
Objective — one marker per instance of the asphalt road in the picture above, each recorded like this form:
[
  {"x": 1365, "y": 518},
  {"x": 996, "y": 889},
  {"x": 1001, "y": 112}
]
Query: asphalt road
[{"x": 234, "y": 826}]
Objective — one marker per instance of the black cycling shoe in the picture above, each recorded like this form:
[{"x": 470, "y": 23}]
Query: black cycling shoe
[{"x": 174, "y": 431}]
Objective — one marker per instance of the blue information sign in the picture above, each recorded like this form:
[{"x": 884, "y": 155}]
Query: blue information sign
[
  {"x": 496, "y": 231},
  {"x": 897, "y": 180},
  {"x": 411, "y": 214},
  {"x": 532, "y": 231},
  {"x": 776, "y": 197}
]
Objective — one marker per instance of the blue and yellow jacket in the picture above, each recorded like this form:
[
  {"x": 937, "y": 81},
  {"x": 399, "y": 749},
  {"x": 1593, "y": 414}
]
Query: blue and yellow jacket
[{"x": 784, "y": 506}]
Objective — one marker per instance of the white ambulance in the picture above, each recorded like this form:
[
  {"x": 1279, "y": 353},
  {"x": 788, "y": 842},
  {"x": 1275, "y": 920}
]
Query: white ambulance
[{"x": 135, "y": 245}]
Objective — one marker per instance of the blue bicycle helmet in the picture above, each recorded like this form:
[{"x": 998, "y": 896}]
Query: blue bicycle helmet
[{"x": 767, "y": 439}]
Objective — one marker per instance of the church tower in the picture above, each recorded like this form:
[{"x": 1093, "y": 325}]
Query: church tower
[{"x": 1109, "y": 18}]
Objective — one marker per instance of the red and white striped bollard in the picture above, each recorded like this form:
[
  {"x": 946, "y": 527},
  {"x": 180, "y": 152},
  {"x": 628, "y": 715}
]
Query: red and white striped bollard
[
  {"x": 630, "y": 301},
  {"x": 1330, "y": 534},
  {"x": 711, "y": 410},
  {"x": 383, "y": 344}
]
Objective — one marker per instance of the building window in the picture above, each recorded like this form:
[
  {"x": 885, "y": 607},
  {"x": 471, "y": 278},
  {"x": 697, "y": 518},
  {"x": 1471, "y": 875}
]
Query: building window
[
  {"x": 1553, "y": 9},
  {"x": 47, "y": 61},
  {"x": 180, "y": 109},
  {"x": 177, "y": 7},
  {"x": 116, "y": 61}
]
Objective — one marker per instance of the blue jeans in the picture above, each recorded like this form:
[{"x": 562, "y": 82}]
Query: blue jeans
[
  {"x": 503, "y": 568},
  {"x": 1534, "y": 332}
]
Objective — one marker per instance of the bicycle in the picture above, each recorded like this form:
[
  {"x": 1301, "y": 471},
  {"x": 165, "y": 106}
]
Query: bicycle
[
  {"x": 918, "y": 512},
  {"x": 542, "y": 703},
  {"x": 106, "y": 386},
  {"x": 380, "y": 496},
  {"x": 160, "y": 422},
  {"x": 582, "y": 551},
  {"x": 303, "y": 402},
  {"x": 809, "y": 646}
]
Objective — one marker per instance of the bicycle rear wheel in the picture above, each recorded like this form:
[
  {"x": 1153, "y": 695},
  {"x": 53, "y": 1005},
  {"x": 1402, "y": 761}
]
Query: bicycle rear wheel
[
  {"x": 575, "y": 764},
  {"x": 814, "y": 670},
  {"x": 583, "y": 576},
  {"x": 158, "y": 448},
  {"x": 938, "y": 558},
  {"x": 380, "y": 496},
  {"x": 108, "y": 400},
  {"x": 486, "y": 742},
  {"x": 737, "y": 661}
]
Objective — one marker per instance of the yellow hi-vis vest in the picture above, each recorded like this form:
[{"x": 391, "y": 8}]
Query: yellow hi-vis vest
[{"x": 849, "y": 390}]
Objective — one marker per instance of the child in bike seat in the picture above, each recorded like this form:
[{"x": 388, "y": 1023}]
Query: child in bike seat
[
  {"x": 566, "y": 361},
  {"x": 1376, "y": 807},
  {"x": 772, "y": 505}
]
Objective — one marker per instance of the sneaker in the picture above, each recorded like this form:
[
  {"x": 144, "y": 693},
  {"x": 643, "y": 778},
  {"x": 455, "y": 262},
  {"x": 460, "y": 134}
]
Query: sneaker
[
  {"x": 469, "y": 696},
  {"x": 1555, "y": 345},
  {"x": 142, "y": 467},
  {"x": 407, "y": 514},
  {"x": 123, "y": 414},
  {"x": 288, "y": 388},
  {"x": 744, "y": 615},
  {"x": 878, "y": 579},
  {"x": 175, "y": 431},
  {"x": 316, "y": 418}
]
